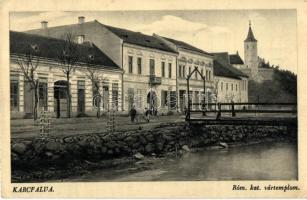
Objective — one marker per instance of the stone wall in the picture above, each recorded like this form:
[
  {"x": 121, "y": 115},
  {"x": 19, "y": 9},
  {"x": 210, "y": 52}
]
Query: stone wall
[{"x": 163, "y": 139}]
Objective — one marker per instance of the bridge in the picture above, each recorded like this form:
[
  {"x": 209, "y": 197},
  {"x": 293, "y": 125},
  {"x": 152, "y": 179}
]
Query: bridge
[
  {"x": 269, "y": 114},
  {"x": 246, "y": 113}
]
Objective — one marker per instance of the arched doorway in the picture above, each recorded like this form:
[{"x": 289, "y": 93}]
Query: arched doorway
[
  {"x": 60, "y": 98},
  {"x": 152, "y": 101}
]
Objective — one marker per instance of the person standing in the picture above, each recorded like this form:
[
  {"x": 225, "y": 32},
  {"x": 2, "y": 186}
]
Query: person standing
[
  {"x": 147, "y": 114},
  {"x": 132, "y": 114}
]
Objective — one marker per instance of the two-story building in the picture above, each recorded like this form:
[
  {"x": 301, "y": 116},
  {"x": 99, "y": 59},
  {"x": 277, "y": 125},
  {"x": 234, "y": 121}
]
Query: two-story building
[
  {"x": 188, "y": 59},
  {"x": 230, "y": 83},
  {"x": 149, "y": 66},
  {"x": 155, "y": 68},
  {"x": 48, "y": 69}
]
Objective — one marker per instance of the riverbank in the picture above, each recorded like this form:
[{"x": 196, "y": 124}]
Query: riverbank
[{"x": 61, "y": 157}]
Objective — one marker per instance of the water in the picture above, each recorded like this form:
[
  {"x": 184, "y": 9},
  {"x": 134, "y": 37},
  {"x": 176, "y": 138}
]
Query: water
[{"x": 265, "y": 161}]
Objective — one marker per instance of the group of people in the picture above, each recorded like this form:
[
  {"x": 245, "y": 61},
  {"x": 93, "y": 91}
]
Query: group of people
[{"x": 134, "y": 115}]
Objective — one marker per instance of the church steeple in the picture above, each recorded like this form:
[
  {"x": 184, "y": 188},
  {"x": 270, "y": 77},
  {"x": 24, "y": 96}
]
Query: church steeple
[
  {"x": 251, "y": 53},
  {"x": 250, "y": 36}
]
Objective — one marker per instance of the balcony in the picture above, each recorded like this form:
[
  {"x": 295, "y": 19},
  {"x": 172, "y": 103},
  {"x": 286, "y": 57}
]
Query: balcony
[{"x": 154, "y": 80}]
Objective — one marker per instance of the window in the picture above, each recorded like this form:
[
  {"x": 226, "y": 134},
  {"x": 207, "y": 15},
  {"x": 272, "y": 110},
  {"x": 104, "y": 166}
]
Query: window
[
  {"x": 130, "y": 98},
  {"x": 138, "y": 99},
  {"x": 130, "y": 63},
  {"x": 80, "y": 39},
  {"x": 172, "y": 99},
  {"x": 180, "y": 73},
  {"x": 226, "y": 86},
  {"x": 221, "y": 86},
  {"x": 236, "y": 87},
  {"x": 43, "y": 94},
  {"x": 163, "y": 69},
  {"x": 169, "y": 70},
  {"x": 115, "y": 96},
  {"x": 105, "y": 97},
  {"x": 14, "y": 96},
  {"x": 152, "y": 67},
  {"x": 207, "y": 75},
  {"x": 164, "y": 98},
  {"x": 139, "y": 65}
]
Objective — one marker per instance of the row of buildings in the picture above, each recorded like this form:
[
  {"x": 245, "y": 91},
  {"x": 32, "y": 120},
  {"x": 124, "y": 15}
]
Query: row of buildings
[{"x": 134, "y": 69}]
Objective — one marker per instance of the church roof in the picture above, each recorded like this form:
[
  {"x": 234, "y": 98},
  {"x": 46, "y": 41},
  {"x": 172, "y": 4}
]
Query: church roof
[
  {"x": 235, "y": 59},
  {"x": 250, "y": 36},
  {"x": 49, "y": 48},
  {"x": 222, "y": 66},
  {"x": 219, "y": 69}
]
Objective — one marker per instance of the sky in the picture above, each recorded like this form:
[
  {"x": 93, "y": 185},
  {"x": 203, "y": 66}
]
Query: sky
[{"x": 210, "y": 30}]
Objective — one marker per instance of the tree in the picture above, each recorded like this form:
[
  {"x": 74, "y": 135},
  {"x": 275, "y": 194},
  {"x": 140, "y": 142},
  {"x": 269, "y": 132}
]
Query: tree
[
  {"x": 28, "y": 65},
  {"x": 96, "y": 78},
  {"x": 216, "y": 88},
  {"x": 68, "y": 57}
]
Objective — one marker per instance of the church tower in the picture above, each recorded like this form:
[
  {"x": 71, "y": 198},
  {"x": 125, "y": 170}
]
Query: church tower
[{"x": 250, "y": 53}]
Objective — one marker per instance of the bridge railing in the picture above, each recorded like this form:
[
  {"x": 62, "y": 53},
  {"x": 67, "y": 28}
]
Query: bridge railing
[{"x": 242, "y": 107}]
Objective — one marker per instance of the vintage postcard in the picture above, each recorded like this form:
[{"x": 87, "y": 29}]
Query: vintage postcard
[{"x": 129, "y": 99}]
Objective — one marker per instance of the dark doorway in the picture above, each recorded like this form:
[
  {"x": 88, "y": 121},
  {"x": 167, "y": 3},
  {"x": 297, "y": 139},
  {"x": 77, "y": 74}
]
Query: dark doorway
[
  {"x": 81, "y": 97},
  {"x": 152, "y": 100},
  {"x": 60, "y": 98}
]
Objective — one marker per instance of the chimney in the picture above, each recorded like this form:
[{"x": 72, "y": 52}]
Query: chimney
[
  {"x": 44, "y": 24},
  {"x": 81, "y": 19}
]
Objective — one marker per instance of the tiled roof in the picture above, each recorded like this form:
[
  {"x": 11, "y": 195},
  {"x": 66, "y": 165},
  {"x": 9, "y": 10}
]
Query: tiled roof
[
  {"x": 222, "y": 66},
  {"x": 139, "y": 39},
  {"x": 220, "y": 70},
  {"x": 127, "y": 36},
  {"x": 235, "y": 59},
  {"x": 20, "y": 43},
  {"x": 186, "y": 46}
]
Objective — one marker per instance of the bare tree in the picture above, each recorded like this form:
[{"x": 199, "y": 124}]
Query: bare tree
[
  {"x": 95, "y": 77},
  {"x": 28, "y": 64},
  {"x": 216, "y": 88},
  {"x": 68, "y": 57}
]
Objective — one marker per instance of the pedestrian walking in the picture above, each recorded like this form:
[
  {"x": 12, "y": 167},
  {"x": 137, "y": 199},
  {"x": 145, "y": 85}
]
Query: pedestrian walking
[
  {"x": 218, "y": 116},
  {"x": 147, "y": 114},
  {"x": 233, "y": 114},
  {"x": 133, "y": 114}
]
